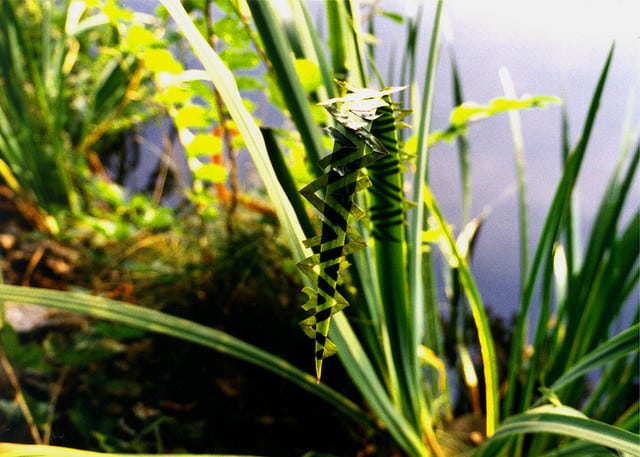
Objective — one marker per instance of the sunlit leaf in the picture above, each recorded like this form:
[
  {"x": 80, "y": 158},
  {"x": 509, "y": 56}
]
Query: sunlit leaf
[
  {"x": 202, "y": 88},
  {"x": 173, "y": 95},
  {"x": 210, "y": 172},
  {"x": 204, "y": 144},
  {"x": 161, "y": 60},
  {"x": 110, "y": 192},
  {"x": 395, "y": 17},
  {"x": 156, "y": 218},
  {"x": 139, "y": 38},
  {"x": 192, "y": 116},
  {"x": 469, "y": 112},
  {"x": 115, "y": 13},
  {"x": 309, "y": 74}
]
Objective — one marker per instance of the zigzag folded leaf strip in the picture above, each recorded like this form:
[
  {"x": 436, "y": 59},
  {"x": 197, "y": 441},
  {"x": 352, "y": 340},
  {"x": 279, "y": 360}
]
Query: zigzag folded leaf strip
[{"x": 339, "y": 184}]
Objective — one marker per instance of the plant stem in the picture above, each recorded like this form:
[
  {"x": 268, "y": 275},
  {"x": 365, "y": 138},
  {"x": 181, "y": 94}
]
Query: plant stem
[{"x": 19, "y": 397}]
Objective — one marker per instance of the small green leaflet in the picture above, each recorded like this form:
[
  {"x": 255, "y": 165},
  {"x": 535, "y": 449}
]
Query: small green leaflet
[{"x": 469, "y": 112}]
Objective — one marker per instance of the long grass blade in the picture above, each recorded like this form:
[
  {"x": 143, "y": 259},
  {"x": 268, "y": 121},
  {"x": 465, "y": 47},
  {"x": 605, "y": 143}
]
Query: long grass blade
[
  {"x": 580, "y": 449},
  {"x": 425, "y": 312},
  {"x": 387, "y": 213},
  {"x": 276, "y": 157},
  {"x": 158, "y": 322},
  {"x": 620, "y": 346},
  {"x": 337, "y": 31},
  {"x": 608, "y": 263},
  {"x": 566, "y": 422},
  {"x": 614, "y": 390},
  {"x": 311, "y": 45},
  {"x": 364, "y": 376},
  {"x": 518, "y": 148},
  {"x": 462, "y": 144},
  {"x": 544, "y": 250},
  {"x": 31, "y": 450}
]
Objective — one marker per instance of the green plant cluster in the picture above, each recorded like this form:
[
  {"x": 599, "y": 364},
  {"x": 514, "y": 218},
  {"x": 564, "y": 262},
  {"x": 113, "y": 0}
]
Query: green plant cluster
[
  {"x": 67, "y": 95},
  {"x": 392, "y": 342}
]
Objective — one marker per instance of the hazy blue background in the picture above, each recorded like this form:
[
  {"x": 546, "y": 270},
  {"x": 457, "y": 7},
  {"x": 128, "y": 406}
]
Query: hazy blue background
[{"x": 551, "y": 48}]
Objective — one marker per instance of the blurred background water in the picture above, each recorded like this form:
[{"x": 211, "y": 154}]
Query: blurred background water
[{"x": 551, "y": 48}]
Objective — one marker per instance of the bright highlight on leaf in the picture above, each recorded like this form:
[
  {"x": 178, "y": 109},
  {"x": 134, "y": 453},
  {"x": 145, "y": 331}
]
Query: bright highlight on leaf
[
  {"x": 139, "y": 38},
  {"x": 309, "y": 74},
  {"x": 210, "y": 172},
  {"x": 191, "y": 116},
  {"x": 161, "y": 60},
  {"x": 204, "y": 144},
  {"x": 468, "y": 112}
]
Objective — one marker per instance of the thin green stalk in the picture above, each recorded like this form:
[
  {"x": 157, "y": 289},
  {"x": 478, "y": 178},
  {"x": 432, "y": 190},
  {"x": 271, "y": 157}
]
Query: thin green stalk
[
  {"x": 323, "y": 63},
  {"x": 458, "y": 305},
  {"x": 345, "y": 43},
  {"x": 571, "y": 224},
  {"x": 364, "y": 376},
  {"x": 463, "y": 147},
  {"x": 427, "y": 315},
  {"x": 539, "y": 362},
  {"x": 304, "y": 32},
  {"x": 518, "y": 150},
  {"x": 619, "y": 346},
  {"x": 355, "y": 46},
  {"x": 337, "y": 39},
  {"x": 368, "y": 318},
  {"x": 629, "y": 419},
  {"x": 408, "y": 64},
  {"x": 422, "y": 290}
]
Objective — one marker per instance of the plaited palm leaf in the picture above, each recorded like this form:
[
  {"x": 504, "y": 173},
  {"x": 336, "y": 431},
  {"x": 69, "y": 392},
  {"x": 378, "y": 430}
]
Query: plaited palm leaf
[{"x": 332, "y": 194}]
